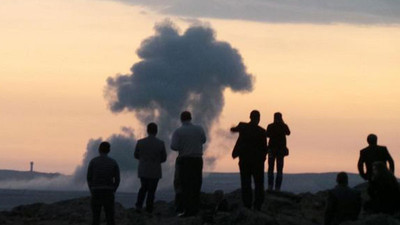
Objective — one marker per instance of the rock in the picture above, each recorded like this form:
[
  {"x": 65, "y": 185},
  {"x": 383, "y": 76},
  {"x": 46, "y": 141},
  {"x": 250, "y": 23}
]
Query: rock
[{"x": 280, "y": 208}]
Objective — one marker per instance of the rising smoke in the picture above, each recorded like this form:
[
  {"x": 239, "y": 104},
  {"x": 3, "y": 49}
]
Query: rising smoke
[
  {"x": 176, "y": 72},
  {"x": 122, "y": 146}
]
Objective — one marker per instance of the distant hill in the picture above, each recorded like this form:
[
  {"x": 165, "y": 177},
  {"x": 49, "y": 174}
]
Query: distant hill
[
  {"x": 25, "y": 175},
  {"x": 296, "y": 183}
]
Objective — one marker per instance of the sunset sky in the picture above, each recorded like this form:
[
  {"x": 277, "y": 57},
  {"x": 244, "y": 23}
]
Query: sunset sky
[{"x": 332, "y": 70}]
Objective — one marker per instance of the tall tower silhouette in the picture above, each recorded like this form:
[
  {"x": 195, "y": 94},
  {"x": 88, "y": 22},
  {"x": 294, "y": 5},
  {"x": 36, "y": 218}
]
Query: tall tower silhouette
[{"x": 31, "y": 166}]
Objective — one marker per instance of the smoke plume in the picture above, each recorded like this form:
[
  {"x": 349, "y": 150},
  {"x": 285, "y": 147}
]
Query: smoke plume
[
  {"x": 176, "y": 72},
  {"x": 122, "y": 146},
  {"x": 179, "y": 72}
]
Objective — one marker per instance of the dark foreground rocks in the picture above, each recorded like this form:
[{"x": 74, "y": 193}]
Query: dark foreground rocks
[{"x": 279, "y": 209}]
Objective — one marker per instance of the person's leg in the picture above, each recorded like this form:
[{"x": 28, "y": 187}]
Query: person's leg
[
  {"x": 152, "y": 187},
  {"x": 258, "y": 175},
  {"x": 279, "y": 173},
  {"x": 245, "y": 179},
  {"x": 109, "y": 207},
  {"x": 196, "y": 184},
  {"x": 178, "y": 188},
  {"x": 142, "y": 193},
  {"x": 271, "y": 165},
  {"x": 185, "y": 177},
  {"x": 96, "y": 208}
]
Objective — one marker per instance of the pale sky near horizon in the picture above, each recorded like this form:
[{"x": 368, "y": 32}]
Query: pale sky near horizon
[{"x": 334, "y": 83}]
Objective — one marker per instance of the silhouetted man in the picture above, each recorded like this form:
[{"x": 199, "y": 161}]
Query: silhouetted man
[
  {"x": 188, "y": 140},
  {"x": 277, "y": 150},
  {"x": 150, "y": 152},
  {"x": 103, "y": 180},
  {"x": 373, "y": 153},
  {"x": 383, "y": 190},
  {"x": 343, "y": 203},
  {"x": 251, "y": 150}
]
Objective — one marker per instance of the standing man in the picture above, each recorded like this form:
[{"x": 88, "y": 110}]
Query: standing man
[
  {"x": 103, "y": 180},
  {"x": 373, "y": 153},
  {"x": 251, "y": 148},
  {"x": 188, "y": 140},
  {"x": 277, "y": 149},
  {"x": 150, "y": 152}
]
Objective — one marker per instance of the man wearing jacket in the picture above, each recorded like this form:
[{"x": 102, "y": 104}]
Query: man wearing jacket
[
  {"x": 373, "y": 153},
  {"x": 103, "y": 180},
  {"x": 251, "y": 148},
  {"x": 150, "y": 152}
]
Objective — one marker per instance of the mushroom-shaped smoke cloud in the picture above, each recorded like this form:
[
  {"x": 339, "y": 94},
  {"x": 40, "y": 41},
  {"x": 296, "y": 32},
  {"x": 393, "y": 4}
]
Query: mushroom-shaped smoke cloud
[{"x": 176, "y": 73}]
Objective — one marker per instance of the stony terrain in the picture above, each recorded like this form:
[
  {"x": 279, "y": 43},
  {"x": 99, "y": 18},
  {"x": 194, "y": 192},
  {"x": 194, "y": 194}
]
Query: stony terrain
[{"x": 279, "y": 209}]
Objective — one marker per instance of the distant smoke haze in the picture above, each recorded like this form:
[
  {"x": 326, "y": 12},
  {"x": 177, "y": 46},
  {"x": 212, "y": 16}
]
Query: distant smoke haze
[{"x": 122, "y": 146}]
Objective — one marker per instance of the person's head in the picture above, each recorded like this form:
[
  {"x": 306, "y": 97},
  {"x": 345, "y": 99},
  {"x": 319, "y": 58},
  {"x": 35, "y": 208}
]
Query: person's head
[
  {"x": 186, "y": 116},
  {"x": 342, "y": 179},
  {"x": 152, "y": 129},
  {"x": 278, "y": 117},
  {"x": 104, "y": 147},
  {"x": 255, "y": 116},
  {"x": 372, "y": 139}
]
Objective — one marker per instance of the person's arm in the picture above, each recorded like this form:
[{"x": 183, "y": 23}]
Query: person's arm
[
  {"x": 117, "y": 178},
  {"x": 137, "y": 150},
  {"x": 163, "y": 153},
  {"x": 264, "y": 144},
  {"x": 268, "y": 131},
  {"x": 203, "y": 136},
  {"x": 390, "y": 160},
  {"x": 360, "y": 166},
  {"x": 175, "y": 142},
  {"x": 235, "y": 129},
  {"x": 287, "y": 130},
  {"x": 89, "y": 175}
]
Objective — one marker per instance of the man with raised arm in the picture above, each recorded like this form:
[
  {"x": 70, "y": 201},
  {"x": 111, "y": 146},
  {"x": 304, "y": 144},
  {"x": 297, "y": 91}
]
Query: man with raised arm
[{"x": 251, "y": 148}]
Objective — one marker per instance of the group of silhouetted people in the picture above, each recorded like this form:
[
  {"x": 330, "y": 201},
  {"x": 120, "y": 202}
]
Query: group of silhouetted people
[
  {"x": 252, "y": 147},
  {"x": 103, "y": 172},
  {"x": 345, "y": 204}
]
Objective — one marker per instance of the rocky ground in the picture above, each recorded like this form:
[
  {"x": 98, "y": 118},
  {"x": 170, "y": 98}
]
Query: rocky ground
[{"x": 279, "y": 209}]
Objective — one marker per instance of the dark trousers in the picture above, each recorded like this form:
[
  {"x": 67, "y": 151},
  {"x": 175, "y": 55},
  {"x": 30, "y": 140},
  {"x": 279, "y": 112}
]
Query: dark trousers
[
  {"x": 279, "y": 167},
  {"x": 190, "y": 176},
  {"x": 178, "y": 189},
  {"x": 148, "y": 187},
  {"x": 255, "y": 170},
  {"x": 105, "y": 199}
]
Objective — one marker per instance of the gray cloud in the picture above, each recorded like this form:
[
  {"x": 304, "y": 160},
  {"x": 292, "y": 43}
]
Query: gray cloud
[
  {"x": 179, "y": 72},
  {"x": 282, "y": 11}
]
